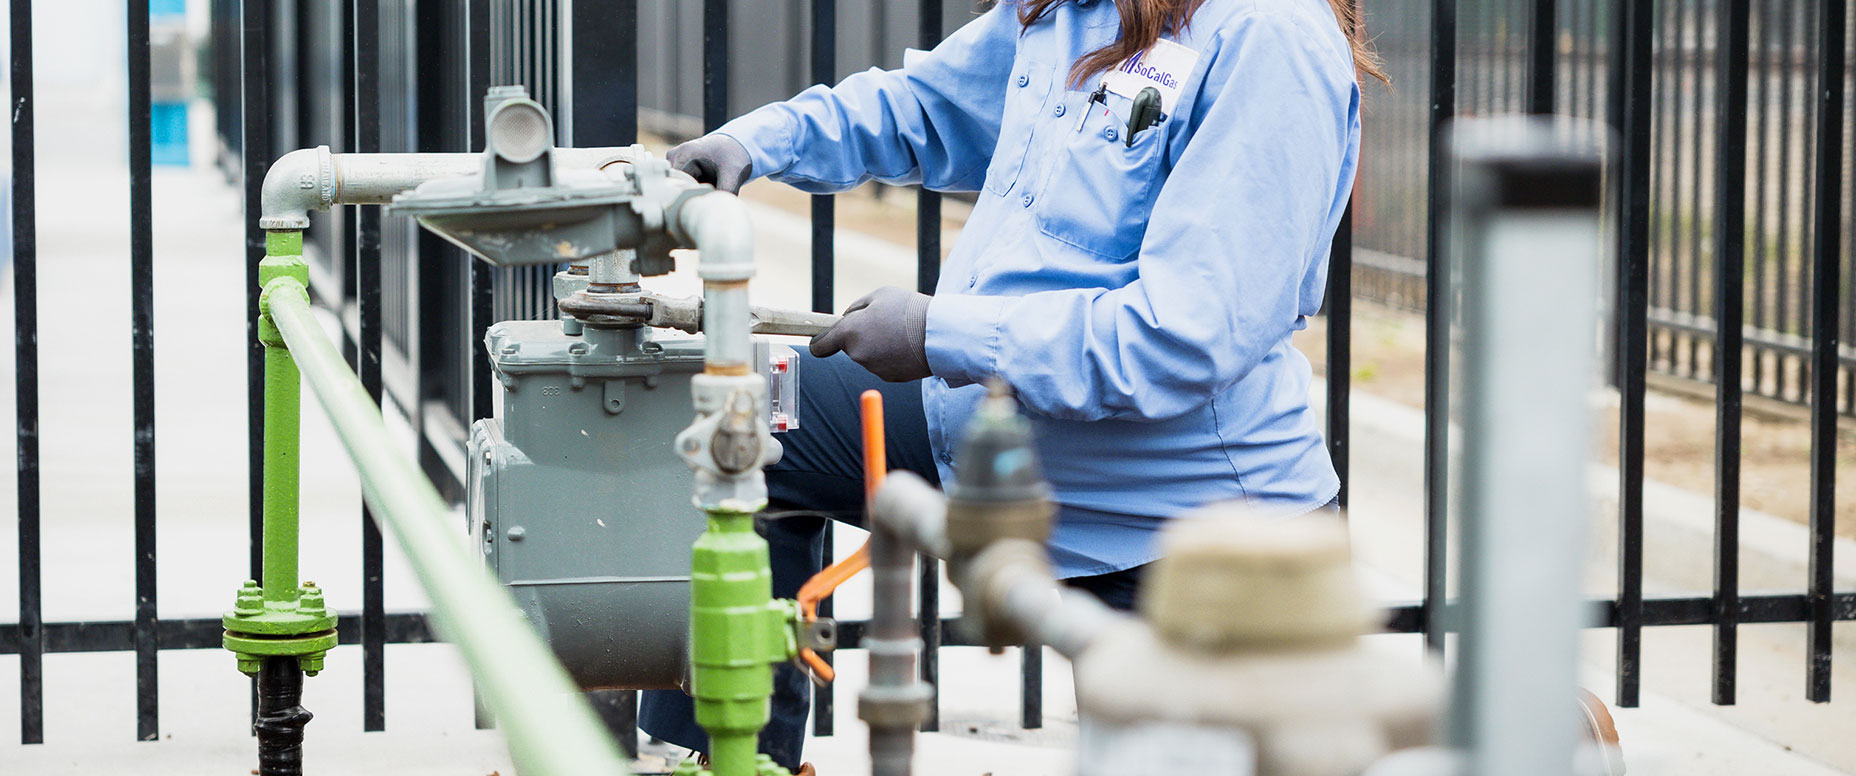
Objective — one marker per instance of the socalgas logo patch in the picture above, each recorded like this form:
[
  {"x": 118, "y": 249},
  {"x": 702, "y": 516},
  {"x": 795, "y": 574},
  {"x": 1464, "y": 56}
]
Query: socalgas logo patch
[
  {"x": 1134, "y": 66},
  {"x": 1165, "y": 67}
]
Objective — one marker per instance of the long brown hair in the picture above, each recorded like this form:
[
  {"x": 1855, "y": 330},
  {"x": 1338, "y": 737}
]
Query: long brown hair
[{"x": 1144, "y": 21}]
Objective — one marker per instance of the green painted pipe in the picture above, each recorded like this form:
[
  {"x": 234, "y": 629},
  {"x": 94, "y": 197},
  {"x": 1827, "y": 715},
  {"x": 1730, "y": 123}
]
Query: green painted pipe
[
  {"x": 737, "y": 632},
  {"x": 282, "y": 409},
  {"x": 282, "y": 617},
  {"x": 282, "y": 426},
  {"x": 550, "y": 729}
]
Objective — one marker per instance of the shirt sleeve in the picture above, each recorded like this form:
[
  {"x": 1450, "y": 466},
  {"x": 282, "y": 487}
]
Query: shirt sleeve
[
  {"x": 934, "y": 121},
  {"x": 1233, "y": 256}
]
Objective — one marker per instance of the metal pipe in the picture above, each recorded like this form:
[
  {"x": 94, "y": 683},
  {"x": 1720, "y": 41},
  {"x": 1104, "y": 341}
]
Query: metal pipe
[
  {"x": 282, "y": 422},
  {"x": 917, "y": 513},
  {"x": 1008, "y": 581},
  {"x": 315, "y": 179},
  {"x": 894, "y": 703},
  {"x": 905, "y": 514},
  {"x": 718, "y": 226},
  {"x": 281, "y": 718},
  {"x": 1530, "y": 238},
  {"x": 614, "y": 272},
  {"x": 1024, "y": 593},
  {"x": 548, "y": 724}
]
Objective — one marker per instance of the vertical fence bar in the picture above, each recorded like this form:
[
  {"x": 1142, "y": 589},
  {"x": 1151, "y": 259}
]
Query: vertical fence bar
[
  {"x": 1031, "y": 687},
  {"x": 1669, "y": 134},
  {"x": 1631, "y": 103},
  {"x": 1824, "y": 302},
  {"x": 142, "y": 382},
  {"x": 824, "y": 274},
  {"x": 605, "y": 74},
  {"x": 482, "y": 296},
  {"x": 1340, "y": 345},
  {"x": 1760, "y": 93},
  {"x": 1542, "y": 48},
  {"x": 927, "y": 275},
  {"x": 1697, "y": 159},
  {"x": 366, "y": 36},
  {"x": 714, "y": 64},
  {"x": 480, "y": 304},
  {"x": 254, "y": 21},
  {"x": 1729, "y": 300},
  {"x": 1437, "y": 323},
  {"x": 1787, "y": 14},
  {"x": 254, "y": 159},
  {"x": 1801, "y": 322},
  {"x": 1339, "y": 302},
  {"x": 604, "y": 109},
  {"x": 824, "y": 215},
  {"x": 26, "y": 381}
]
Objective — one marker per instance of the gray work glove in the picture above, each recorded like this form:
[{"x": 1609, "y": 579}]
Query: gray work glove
[
  {"x": 886, "y": 332},
  {"x": 718, "y": 160}
]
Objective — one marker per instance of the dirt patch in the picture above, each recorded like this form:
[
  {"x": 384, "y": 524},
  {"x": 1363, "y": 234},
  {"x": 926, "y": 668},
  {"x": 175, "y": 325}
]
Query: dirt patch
[{"x": 1775, "y": 443}]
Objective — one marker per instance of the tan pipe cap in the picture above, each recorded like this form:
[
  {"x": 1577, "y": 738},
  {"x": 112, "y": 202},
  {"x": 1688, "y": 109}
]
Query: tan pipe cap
[{"x": 1230, "y": 581}]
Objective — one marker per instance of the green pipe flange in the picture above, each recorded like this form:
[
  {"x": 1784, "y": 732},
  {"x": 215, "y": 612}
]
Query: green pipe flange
[{"x": 763, "y": 766}]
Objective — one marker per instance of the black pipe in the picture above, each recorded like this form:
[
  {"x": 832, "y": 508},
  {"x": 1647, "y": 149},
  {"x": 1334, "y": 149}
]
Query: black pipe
[{"x": 281, "y": 718}]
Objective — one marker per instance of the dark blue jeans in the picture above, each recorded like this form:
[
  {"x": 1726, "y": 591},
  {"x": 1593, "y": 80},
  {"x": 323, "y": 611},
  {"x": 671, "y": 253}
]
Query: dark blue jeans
[{"x": 821, "y": 476}]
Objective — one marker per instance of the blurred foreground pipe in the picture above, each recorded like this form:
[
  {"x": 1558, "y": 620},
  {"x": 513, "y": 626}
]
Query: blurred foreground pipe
[
  {"x": 551, "y": 731},
  {"x": 1529, "y": 220}
]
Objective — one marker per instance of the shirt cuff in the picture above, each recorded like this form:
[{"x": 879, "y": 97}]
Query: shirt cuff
[
  {"x": 767, "y": 133},
  {"x": 963, "y": 337}
]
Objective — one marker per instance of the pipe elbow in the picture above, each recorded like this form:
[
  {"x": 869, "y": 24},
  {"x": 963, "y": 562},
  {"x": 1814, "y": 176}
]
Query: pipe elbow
[
  {"x": 718, "y": 225},
  {"x": 298, "y": 182}
]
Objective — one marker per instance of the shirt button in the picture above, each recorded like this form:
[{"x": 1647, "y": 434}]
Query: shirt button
[
  {"x": 1108, "y": 132},
  {"x": 1026, "y": 199},
  {"x": 947, "y": 457},
  {"x": 1023, "y": 79},
  {"x": 1058, "y": 111}
]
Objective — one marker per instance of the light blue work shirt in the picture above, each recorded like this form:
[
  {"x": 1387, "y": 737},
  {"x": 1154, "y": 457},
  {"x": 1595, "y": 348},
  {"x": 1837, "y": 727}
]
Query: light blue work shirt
[{"x": 1138, "y": 299}]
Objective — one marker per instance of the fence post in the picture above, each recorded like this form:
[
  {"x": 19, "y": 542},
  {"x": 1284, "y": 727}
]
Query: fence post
[
  {"x": 1436, "y": 323},
  {"x": 26, "y": 381},
  {"x": 1631, "y": 115},
  {"x": 1729, "y": 298},
  {"x": 1824, "y": 304}
]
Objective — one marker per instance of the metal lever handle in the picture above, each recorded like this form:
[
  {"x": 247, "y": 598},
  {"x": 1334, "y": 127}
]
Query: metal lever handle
[{"x": 798, "y": 323}]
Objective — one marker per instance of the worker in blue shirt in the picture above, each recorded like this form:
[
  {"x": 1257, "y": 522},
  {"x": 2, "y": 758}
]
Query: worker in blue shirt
[{"x": 1158, "y": 182}]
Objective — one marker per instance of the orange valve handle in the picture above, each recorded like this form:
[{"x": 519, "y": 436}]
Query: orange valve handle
[{"x": 825, "y": 582}]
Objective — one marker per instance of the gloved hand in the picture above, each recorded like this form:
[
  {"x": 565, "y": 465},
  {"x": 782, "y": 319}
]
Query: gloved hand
[
  {"x": 886, "y": 332},
  {"x": 718, "y": 160}
]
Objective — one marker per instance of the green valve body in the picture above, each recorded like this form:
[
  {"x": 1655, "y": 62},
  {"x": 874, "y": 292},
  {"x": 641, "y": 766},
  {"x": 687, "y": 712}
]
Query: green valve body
[
  {"x": 280, "y": 617},
  {"x": 737, "y": 632}
]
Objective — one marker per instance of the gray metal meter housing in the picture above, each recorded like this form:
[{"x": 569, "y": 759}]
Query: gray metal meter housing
[{"x": 578, "y": 501}]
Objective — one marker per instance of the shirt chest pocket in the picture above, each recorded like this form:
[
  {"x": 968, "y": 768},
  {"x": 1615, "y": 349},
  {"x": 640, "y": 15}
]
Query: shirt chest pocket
[{"x": 1098, "y": 191}]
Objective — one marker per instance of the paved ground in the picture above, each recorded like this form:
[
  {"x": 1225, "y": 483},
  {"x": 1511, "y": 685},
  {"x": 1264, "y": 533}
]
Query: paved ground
[{"x": 201, "y": 389}]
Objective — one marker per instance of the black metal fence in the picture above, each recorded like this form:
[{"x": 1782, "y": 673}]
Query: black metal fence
[
  {"x": 1778, "y": 88},
  {"x": 1680, "y": 80}
]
